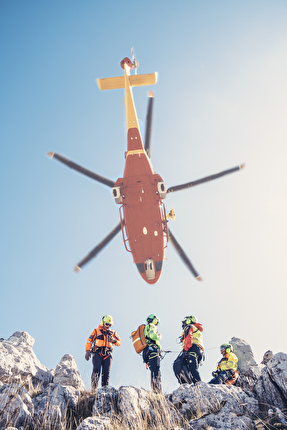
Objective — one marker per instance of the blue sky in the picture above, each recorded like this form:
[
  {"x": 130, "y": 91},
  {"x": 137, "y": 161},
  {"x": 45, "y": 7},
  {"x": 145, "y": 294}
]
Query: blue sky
[{"x": 220, "y": 100}]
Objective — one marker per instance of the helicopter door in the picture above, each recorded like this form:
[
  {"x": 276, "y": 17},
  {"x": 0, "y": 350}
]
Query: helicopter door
[{"x": 149, "y": 268}]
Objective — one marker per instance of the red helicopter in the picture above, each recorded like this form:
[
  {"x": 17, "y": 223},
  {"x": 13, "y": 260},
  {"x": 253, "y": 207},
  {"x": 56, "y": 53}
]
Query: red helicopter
[{"x": 140, "y": 193}]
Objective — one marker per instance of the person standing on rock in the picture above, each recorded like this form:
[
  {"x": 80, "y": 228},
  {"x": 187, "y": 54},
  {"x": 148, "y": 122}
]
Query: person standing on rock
[
  {"x": 185, "y": 366},
  {"x": 100, "y": 345},
  {"x": 152, "y": 352},
  {"x": 226, "y": 371}
]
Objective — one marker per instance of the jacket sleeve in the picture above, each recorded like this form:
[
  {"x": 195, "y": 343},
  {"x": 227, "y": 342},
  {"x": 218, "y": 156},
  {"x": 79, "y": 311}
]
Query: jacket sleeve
[
  {"x": 90, "y": 340},
  {"x": 187, "y": 338},
  {"x": 229, "y": 363},
  {"x": 117, "y": 337},
  {"x": 151, "y": 333}
]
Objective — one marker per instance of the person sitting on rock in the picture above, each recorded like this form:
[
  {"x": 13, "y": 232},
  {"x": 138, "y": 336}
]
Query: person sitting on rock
[
  {"x": 100, "y": 344},
  {"x": 185, "y": 366},
  {"x": 152, "y": 352},
  {"x": 226, "y": 371}
]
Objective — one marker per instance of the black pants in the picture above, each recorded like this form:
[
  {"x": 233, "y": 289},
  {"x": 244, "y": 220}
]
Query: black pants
[
  {"x": 185, "y": 366},
  {"x": 103, "y": 363},
  {"x": 221, "y": 378},
  {"x": 151, "y": 356}
]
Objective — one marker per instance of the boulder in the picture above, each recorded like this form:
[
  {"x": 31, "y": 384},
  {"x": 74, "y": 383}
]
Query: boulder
[
  {"x": 222, "y": 420},
  {"x": 106, "y": 399},
  {"x": 16, "y": 407},
  {"x": 18, "y": 362},
  {"x": 244, "y": 354},
  {"x": 196, "y": 401},
  {"x": 67, "y": 374},
  {"x": 271, "y": 387},
  {"x": 95, "y": 423},
  {"x": 138, "y": 408},
  {"x": 128, "y": 407},
  {"x": 267, "y": 356},
  {"x": 52, "y": 408}
]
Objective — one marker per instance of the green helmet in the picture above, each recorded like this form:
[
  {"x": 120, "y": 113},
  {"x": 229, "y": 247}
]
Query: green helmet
[
  {"x": 153, "y": 319},
  {"x": 107, "y": 319},
  {"x": 191, "y": 319},
  {"x": 227, "y": 347}
]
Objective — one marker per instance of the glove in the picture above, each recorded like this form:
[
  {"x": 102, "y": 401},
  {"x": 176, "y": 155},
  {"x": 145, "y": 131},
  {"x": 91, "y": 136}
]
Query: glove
[
  {"x": 215, "y": 374},
  {"x": 88, "y": 355},
  {"x": 112, "y": 339}
]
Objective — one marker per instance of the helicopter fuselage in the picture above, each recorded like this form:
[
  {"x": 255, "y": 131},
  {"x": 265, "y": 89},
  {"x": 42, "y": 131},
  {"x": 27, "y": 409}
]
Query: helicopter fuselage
[{"x": 140, "y": 193}]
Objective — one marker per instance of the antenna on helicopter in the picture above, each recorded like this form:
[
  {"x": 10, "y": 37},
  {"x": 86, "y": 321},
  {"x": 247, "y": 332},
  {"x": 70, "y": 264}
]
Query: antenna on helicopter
[{"x": 135, "y": 62}]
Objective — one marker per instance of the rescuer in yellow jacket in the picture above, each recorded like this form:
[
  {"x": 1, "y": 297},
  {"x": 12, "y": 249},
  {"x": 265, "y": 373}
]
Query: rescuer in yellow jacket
[
  {"x": 226, "y": 371},
  {"x": 100, "y": 344},
  {"x": 185, "y": 366},
  {"x": 152, "y": 352}
]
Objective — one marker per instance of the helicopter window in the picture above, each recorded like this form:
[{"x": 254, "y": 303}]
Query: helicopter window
[
  {"x": 141, "y": 267},
  {"x": 158, "y": 266}
]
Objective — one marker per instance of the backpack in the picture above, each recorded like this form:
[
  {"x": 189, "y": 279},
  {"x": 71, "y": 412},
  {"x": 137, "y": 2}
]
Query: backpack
[{"x": 138, "y": 339}]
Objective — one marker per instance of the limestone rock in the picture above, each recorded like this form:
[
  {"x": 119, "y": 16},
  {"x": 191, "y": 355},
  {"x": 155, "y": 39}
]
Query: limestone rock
[
  {"x": 67, "y": 374},
  {"x": 277, "y": 368},
  {"x": 18, "y": 362},
  {"x": 271, "y": 387},
  {"x": 267, "y": 356},
  {"x": 128, "y": 406},
  {"x": 106, "y": 399},
  {"x": 16, "y": 407},
  {"x": 196, "y": 401},
  {"x": 52, "y": 406},
  {"x": 222, "y": 420},
  {"x": 244, "y": 354},
  {"x": 138, "y": 408},
  {"x": 95, "y": 423}
]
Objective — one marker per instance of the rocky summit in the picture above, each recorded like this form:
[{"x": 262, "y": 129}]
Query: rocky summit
[{"x": 33, "y": 397}]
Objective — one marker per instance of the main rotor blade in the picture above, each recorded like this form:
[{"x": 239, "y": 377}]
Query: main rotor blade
[
  {"x": 202, "y": 180},
  {"x": 148, "y": 123},
  {"x": 81, "y": 169},
  {"x": 183, "y": 255},
  {"x": 98, "y": 248}
]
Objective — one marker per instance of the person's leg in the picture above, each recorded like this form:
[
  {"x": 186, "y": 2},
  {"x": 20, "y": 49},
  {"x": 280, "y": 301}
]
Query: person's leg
[
  {"x": 97, "y": 363},
  {"x": 154, "y": 365},
  {"x": 106, "y": 370}
]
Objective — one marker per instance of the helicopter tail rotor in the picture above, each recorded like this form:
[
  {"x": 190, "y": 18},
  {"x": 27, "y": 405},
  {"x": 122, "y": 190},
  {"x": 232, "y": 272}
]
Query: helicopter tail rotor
[{"x": 135, "y": 62}]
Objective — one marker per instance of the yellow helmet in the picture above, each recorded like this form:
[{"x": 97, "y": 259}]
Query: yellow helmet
[
  {"x": 107, "y": 319},
  {"x": 227, "y": 347},
  {"x": 190, "y": 319}
]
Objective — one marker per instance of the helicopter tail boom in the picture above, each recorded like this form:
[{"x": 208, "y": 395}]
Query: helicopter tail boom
[{"x": 134, "y": 81}]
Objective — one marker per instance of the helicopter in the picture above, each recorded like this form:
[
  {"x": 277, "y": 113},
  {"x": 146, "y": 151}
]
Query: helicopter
[{"x": 141, "y": 191}]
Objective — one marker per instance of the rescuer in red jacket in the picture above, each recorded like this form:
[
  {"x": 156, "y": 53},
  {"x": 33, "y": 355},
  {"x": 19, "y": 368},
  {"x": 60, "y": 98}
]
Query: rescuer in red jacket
[
  {"x": 100, "y": 344},
  {"x": 185, "y": 366}
]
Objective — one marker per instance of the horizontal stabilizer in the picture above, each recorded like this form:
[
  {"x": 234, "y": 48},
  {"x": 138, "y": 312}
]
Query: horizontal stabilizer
[
  {"x": 119, "y": 81},
  {"x": 140, "y": 80}
]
